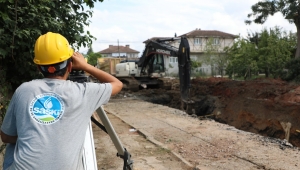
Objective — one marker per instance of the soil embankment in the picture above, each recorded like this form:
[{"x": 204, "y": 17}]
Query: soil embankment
[
  {"x": 264, "y": 106},
  {"x": 200, "y": 144}
]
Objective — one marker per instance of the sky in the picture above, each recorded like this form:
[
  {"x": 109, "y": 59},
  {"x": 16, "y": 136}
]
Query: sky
[{"x": 130, "y": 22}]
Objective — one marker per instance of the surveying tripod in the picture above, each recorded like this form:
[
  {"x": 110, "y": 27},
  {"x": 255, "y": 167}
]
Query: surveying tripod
[{"x": 79, "y": 76}]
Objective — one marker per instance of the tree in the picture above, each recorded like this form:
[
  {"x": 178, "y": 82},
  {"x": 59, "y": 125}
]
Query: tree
[
  {"x": 194, "y": 65},
  {"x": 90, "y": 51},
  {"x": 290, "y": 9},
  {"x": 92, "y": 57},
  {"x": 22, "y": 22},
  {"x": 242, "y": 59},
  {"x": 274, "y": 48},
  {"x": 267, "y": 51},
  {"x": 215, "y": 57}
]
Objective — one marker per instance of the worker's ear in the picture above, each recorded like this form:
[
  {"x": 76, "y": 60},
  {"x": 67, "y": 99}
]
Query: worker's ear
[
  {"x": 39, "y": 67},
  {"x": 69, "y": 67}
]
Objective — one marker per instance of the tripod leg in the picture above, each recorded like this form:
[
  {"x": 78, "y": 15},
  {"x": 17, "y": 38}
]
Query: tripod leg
[
  {"x": 110, "y": 130},
  {"x": 122, "y": 152}
]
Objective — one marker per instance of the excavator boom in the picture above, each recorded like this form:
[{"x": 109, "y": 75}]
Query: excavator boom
[{"x": 184, "y": 65}]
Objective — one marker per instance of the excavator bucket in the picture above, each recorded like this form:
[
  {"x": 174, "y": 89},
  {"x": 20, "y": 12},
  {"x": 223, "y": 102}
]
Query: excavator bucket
[{"x": 184, "y": 65}]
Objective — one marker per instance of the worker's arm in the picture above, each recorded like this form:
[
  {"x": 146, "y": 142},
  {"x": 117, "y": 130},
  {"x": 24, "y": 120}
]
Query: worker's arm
[
  {"x": 79, "y": 63},
  {"x": 7, "y": 138}
]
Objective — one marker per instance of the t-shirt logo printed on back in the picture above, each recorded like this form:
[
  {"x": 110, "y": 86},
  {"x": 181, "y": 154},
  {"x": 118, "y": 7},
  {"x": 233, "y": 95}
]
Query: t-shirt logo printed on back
[{"x": 46, "y": 108}]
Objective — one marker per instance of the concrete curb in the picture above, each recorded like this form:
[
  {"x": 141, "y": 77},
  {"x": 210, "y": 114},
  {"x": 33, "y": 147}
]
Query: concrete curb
[{"x": 152, "y": 140}]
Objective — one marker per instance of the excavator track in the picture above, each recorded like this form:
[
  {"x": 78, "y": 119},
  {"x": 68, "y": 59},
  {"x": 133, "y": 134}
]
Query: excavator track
[
  {"x": 165, "y": 83},
  {"x": 130, "y": 83}
]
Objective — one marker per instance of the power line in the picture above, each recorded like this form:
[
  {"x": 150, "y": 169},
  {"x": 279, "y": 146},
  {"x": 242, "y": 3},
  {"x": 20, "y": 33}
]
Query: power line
[{"x": 119, "y": 42}]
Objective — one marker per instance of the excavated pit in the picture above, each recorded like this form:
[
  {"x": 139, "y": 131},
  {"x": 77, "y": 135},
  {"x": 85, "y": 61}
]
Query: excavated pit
[{"x": 264, "y": 106}]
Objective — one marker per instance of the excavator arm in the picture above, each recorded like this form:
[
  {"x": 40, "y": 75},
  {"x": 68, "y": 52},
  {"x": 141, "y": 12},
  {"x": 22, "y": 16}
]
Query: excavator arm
[{"x": 184, "y": 65}]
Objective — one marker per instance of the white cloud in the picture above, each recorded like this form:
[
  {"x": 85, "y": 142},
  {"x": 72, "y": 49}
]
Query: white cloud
[{"x": 132, "y": 21}]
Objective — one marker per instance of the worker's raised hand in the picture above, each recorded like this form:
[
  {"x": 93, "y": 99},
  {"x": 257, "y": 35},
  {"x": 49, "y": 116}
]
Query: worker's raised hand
[{"x": 79, "y": 63}]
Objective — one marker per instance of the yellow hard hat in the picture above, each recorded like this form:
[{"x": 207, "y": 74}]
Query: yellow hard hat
[{"x": 51, "y": 48}]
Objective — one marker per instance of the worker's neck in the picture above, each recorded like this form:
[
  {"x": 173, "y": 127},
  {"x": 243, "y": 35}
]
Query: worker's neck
[
  {"x": 65, "y": 77},
  {"x": 56, "y": 77}
]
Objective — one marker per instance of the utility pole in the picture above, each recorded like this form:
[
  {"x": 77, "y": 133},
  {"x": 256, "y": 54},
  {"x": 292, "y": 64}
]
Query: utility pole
[{"x": 118, "y": 49}]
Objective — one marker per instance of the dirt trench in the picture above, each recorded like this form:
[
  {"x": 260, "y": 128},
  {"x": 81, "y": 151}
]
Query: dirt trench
[{"x": 267, "y": 107}]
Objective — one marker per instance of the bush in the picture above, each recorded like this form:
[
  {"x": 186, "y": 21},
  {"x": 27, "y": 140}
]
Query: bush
[
  {"x": 291, "y": 74},
  {"x": 5, "y": 90}
]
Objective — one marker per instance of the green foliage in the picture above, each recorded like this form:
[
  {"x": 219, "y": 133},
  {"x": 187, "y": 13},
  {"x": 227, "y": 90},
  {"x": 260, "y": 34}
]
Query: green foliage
[
  {"x": 288, "y": 8},
  {"x": 242, "y": 59},
  {"x": 215, "y": 56},
  {"x": 274, "y": 51},
  {"x": 5, "y": 88},
  {"x": 292, "y": 73},
  {"x": 267, "y": 52},
  {"x": 93, "y": 57},
  {"x": 262, "y": 9},
  {"x": 24, "y": 21},
  {"x": 199, "y": 73},
  {"x": 195, "y": 64},
  {"x": 90, "y": 51}
]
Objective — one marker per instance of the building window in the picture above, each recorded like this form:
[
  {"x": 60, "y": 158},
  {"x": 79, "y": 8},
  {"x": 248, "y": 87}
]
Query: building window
[
  {"x": 216, "y": 41},
  {"x": 197, "y": 41},
  {"x": 173, "y": 60}
]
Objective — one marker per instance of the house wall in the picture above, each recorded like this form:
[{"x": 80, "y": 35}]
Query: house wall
[
  {"x": 133, "y": 55},
  {"x": 200, "y": 46},
  {"x": 206, "y": 68},
  {"x": 171, "y": 65},
  {"x": 106, "y": 55},
  {"x": 197, "y": 53},
  {"x": 118, "y": 54},
  {"x": 129, "y": 55}
]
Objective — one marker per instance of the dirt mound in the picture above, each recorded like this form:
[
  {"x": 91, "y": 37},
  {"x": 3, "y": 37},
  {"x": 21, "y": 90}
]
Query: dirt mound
[{"x": 265, "y": 106}]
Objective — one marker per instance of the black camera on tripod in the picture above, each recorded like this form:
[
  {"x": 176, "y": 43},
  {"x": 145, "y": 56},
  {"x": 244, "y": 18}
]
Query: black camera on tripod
[{"x": 78, "y": 76}]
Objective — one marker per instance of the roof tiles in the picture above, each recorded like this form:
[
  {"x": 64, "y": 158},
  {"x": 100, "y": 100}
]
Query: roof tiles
[{"x": 118, "y": 49}]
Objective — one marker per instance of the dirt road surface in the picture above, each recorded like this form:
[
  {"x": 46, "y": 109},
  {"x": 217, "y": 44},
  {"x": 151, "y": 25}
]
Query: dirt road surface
[
  {"x": 145, "y": 154},
  {"x": 167, "y": 138}
]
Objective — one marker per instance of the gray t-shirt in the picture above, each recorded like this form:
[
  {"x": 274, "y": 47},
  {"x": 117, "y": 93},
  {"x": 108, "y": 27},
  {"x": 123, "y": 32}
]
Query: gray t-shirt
[{"x": 50, "y": 118}]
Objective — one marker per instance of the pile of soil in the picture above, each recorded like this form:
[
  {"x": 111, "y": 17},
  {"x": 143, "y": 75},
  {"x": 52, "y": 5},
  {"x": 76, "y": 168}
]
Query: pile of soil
[{"x": 268, "y": 107}]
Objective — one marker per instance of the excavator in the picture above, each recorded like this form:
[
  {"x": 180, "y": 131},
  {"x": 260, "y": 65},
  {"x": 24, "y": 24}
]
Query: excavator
[{"x": 148, "y": 71}]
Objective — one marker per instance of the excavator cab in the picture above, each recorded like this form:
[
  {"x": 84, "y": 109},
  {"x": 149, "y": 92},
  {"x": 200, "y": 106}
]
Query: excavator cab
[
  {"x": 154, "y": 66},
  {"x": 152, "y": 61}
]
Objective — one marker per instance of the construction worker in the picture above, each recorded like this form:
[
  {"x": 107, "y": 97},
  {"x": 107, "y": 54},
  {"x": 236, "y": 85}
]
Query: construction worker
[{"x": 47, "y": 119}]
